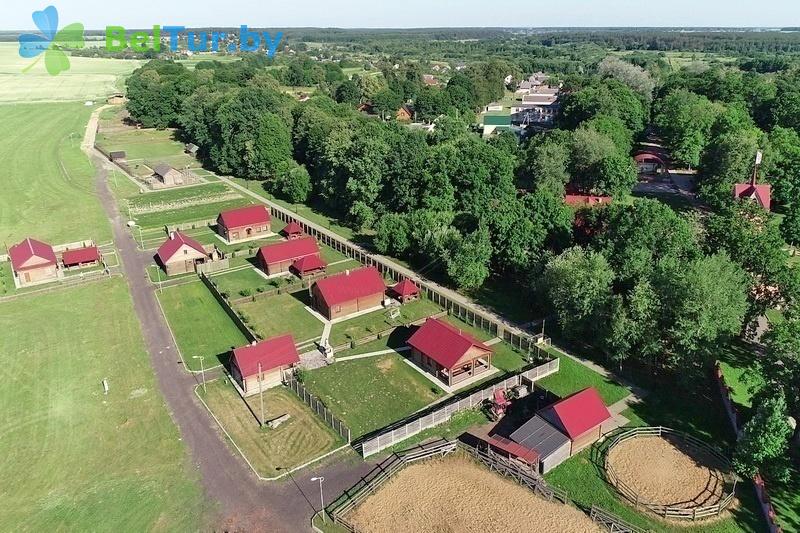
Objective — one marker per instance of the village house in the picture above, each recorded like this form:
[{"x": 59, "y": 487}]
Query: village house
[
  {"x": 167, "y": 175},
  {"x": 279, "y": 257},
  {"x": 449, "y": 353},
  {"x": 180, "y": 254},
  {"x": 80, "y": 257},
  {"x": 292, "y": 231},
  {"x": 191, "y": 149},
  {"x": 580, "y": 417},
  {"x": 405, "y": 113},
  {"x": 265, "y": 364},
  {"x": 758, "y": 193},
  {"x": 33, "y": 262},
  {"x": 430, "y": 80},
  {"x": 117, "y": 156},
  {"x": 244, "y": 223},
  {"x": 348, "y": 293},
  {"x": 405, "y": 291}
]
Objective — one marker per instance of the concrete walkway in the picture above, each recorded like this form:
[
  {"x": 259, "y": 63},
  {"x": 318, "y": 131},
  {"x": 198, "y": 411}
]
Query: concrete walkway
[{"x": 374, "y": 354}]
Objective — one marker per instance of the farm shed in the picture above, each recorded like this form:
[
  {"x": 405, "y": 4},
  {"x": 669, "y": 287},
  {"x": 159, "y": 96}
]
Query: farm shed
[
  {"x": 540, "y": 435},
  {"x": 33, "y": 262},
  {"x": 180, "y": 254},
  {"x": 514, "y": 451},
  {"x": 244, "y": 223},
  {"x": 308, "y": 266},
  {"x": 81, "y": 257},
  {"x": 292, "y": 231},
  {"x": 279, "y": 257},
  {"x": 266, "y": 362},
  {"x": 191, "y": 149},
  {"x": 405, "y": 291},
  {"x": 449, "y": 353},
  {"x": 580, "y": 417},
  {"x": 348, "y": 292},
  {"x": 167, "y": 175},
  {"x": 118, "y": 155}
]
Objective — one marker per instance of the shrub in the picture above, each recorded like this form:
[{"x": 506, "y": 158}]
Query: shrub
[{"x": 246, "y": 292}]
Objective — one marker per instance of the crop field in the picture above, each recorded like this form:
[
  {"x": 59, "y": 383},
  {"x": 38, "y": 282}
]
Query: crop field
[
  {"x": 192, "y": 213},
  {"x": 47, "y": 182},
  {"x": 87, "y": 78},
  {"x": 75, "y": 459}
]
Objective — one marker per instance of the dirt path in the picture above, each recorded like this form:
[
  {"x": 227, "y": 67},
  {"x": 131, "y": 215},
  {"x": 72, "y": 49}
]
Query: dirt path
[{"x": 244, "y": 503}]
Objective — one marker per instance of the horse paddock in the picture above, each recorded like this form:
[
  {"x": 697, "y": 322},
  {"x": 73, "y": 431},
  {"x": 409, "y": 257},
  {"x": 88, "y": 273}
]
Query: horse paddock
[{"x": 457, "y": 494}]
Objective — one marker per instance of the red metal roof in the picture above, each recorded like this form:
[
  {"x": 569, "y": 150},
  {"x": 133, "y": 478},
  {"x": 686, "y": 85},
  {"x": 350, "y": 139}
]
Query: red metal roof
[
  {"x": 443, "y": 342},
  {"x": 349, "y": 286},
  {"x": 292, "y": 228},
  {"x": 174, "y": 243},
  {"x": 244, "y": 216},
  {"x": 579, "y": 413},
  {"x": 288, "y": 250},
  {"x": 517, "y": 450},
  {"x": 647, "y": 157},
  {"x": 761, "y": 193},
  {"x": 80, "y": 255},
  {"x": 22, "y": 253},
  {"x": 405, "y": 288},
  {"x": 586, "y": 199},
  {"x": 271, "y": 353},
  {"x": 309, "y": 263}
]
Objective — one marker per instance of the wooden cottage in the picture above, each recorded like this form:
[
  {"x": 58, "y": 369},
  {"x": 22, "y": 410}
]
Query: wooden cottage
[
  {"x": 244, "y": 223},
  {"x": 580, "y": 417},
  {"x": 348, "y": 293},
  {"x": 33, "y": 262},
  {"x": 279, "y": 257},
  {"x": 167, "y": 175},
  {"x": 262, "y": 365},
  {"x": 180, "y": 254}
]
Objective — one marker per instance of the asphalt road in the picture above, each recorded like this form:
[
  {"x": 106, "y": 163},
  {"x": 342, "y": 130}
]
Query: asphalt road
[{"x": 245, "y": 503}]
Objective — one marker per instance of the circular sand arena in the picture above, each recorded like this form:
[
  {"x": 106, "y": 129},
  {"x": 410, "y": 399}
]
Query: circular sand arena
[
  {"x": 667, "y": 471},
  {"x": 455, "y": 494}
]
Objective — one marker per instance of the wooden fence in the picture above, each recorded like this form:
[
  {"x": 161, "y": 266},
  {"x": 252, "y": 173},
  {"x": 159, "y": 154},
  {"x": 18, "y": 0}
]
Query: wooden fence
[
  {"x": 612, "y": 522},
  {"x": 680, "y": 512},
  {"x": 404, "y": 429},
  {"x": 244, "y": 328},
  {"x": 319, "y": 408}
]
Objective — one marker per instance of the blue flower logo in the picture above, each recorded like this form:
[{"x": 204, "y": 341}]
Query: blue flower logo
[{"x": 50, "y": 41}]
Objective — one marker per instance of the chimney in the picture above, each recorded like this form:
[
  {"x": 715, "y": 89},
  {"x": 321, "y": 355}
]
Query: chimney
[
  {"x": 253, "y": 343},
  {"x": 347, "y": 272},
  {"x": 172, "y": 235}
]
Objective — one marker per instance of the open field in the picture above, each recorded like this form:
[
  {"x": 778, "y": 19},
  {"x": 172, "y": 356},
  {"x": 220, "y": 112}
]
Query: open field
[
  {"x": 573, "y": 376},
  {"x": 75, "y": 459},
  {"x": 87, "y": 78},
  {"x": 139, "y": 145},
  {"x": 200, "y": 325},
  {"x": 271, "y": 451},
  {"x": 457, "y": 494},
  {"x": 282, "y": 313},
  {"x": 47, "y": 182},
  {"x": 372, "y": 323},
  {"x": 368, "y": 394}
]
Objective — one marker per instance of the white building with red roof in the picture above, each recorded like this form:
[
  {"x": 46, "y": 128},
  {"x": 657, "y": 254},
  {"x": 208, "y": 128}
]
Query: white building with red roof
[
  {"x": 279, "y": 257},
  {"x": 33, "y": 262},
  {"x": 265, "y": 363},
  {"x": 580, "y": 417},
  {"x": 347, "y": 293},
  {"x": 244, "y": 223},
  {"x": 180, "y": 254}
]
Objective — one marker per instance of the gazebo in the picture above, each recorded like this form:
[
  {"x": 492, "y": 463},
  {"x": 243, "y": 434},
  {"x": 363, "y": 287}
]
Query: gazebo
[{"x": 405, "y": 291}]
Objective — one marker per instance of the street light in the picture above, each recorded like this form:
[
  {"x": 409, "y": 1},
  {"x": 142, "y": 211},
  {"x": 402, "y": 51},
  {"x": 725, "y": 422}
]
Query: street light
[
  {"x": 202, "y": 369},
  {"x": 321, "y": 497}
]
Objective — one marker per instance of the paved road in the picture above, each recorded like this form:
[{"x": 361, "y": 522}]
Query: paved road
[{"x": 246, "y": 504}]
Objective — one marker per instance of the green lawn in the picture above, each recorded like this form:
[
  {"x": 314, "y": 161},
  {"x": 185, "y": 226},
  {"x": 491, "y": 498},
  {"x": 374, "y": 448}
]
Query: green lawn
[
  {"x": 372, "y": 323},
  {"x": 200, "y": 324},
  {"x": 47, "y": 182},
  {"x": 6, "y": 278},
  {"x": 368, "y": 394},
  {"x": 241, "y": 280},
  {"x": 573, "y": 376},
  {"x": 149, "y": 144},
  {"x": 302, "y": 438},
  {"x": 504, "y": 356},
  {"x": 163, "y": 199},
  {"x": 280, "y": 314},
  {"x": 75, "y": 459}
]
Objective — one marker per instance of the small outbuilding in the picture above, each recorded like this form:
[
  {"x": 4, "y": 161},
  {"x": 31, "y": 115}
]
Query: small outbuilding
[
  {"x": 649, "y": 163},
  {"x": 309, "y": 265},
  {"x": 760, "y": 193},
  {"x": 80, "y": 257},
  {"x": 405, "y": 291},
  {"x": 552, "y": 445},
  {"x": 167, "y": 175},
  {"x": 116, "y": 99},
  {"x": 117, "y": 156},
  {"x": 279, "y": 257},
  {"x": 33, "y": 262},
  {"x": 263, "y": 365},
  {"x": 586, "y": 200},
  {"x": 244, "y": 223},
  {"x": 191, "y": 149},
  {"x": 447, "y": 352},
  {"x": 292, "y": 231},
  {"x": 580, "y": 417},
  {"x": 180, "y": 254},
  {"x": 405, "y": 113},
  {"x": 349, "y": 292}
]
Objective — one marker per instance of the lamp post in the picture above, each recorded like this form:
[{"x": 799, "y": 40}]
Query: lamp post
[
  {"x": 321, "y": 497},
  {"x": 202, "y": 369}
]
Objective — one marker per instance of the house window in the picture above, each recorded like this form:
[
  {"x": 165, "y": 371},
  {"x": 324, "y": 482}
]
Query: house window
[{"x": 185, "y": 252}]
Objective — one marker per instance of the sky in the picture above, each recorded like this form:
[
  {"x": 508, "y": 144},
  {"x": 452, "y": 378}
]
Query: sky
[{"x": 97, "y": 14}]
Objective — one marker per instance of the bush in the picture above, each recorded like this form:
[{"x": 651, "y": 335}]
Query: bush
[{"x": 246, "y": 292}]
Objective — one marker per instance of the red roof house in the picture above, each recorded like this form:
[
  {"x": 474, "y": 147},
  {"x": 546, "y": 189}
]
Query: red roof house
[
  {"x": 279, "y": 257},
  {"x": 292, "y": 231},
  {"x": 33, "y": 262},
  {"x": 80, "y": 256},
  {"x": 586, "y": 200},
  {"x": 450, "y": 354},
  {"x": 180, "y": 253},
  {"x": 649, "y": 163},
  {"x": 759, "y": 193},
  {"x": 405, "y": 291},
  {"x": 348, "y": 292},
  {"x": 244, "y": 223},
  {"x": 308, "y": 265},
  {"x": 267, "y": 360},
  {"x": 579, "y": 416}
]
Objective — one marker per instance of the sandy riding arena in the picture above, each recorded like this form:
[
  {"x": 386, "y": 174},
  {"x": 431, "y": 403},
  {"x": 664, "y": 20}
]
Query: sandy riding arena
[
  {"x": 457, "y": 494},
  {"x": 666, "y": 471}
]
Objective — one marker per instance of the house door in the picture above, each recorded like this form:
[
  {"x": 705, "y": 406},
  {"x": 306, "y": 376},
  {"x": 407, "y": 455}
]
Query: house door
[
  {"x": 249, "y": 231},
  {"x": 27, "y": 277}
]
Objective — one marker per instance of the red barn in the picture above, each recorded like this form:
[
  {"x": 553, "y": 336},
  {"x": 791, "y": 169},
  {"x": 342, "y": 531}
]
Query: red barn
[
  {"x": 33, "y": 262},
  {"x": 244, "y": 223},
  {"x": 448, "y": 353},
  {"x": 268, "y": 360},
  {"x": 308, "y": 266},
  {"x": 580, "y": 417},
  {"x": 80, "y": 257},
  {"x": 348, "y": 292},
  {"x": 279, "y": 257}
]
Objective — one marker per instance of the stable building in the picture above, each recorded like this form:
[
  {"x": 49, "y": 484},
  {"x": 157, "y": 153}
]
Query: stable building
[
  {"x": 292, "y": 231},
  {"x": 552, "y": 446},
  {"x": 81, "y": 257},
  {"x": 348, "y": 293},
  {"x": 167, "y": 175},
  {"x": 180, "y": 254},
  {"x": 279, "y": 257},
  {"x": 580, "y": 417},
  {"x": 244, "y": 223},
  {"x": 33, "y": 262},
  {"x": 117, "y": 156},
  {"x": 265, "y": 364},
  {"x": 449, "y": 353}
]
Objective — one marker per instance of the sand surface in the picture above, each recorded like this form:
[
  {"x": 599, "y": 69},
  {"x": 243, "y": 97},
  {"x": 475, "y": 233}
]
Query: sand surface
[{"x": 455, "y": 494}]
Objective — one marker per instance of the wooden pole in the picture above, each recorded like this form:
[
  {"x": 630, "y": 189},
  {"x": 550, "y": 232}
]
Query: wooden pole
[{"x": 261, "y": 391}]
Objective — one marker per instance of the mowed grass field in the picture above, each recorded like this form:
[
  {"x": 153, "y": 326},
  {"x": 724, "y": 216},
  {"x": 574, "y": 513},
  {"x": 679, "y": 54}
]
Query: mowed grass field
[
  {"x": 87, "y": 78},
  {"x": 47, "y": 183},
  {"x": 75, "y": 459}
]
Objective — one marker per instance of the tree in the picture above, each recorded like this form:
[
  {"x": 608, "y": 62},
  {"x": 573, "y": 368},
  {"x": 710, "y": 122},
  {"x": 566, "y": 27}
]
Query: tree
[
  {"x": 635, "y": 77},
  {"x": 685, "y": 120},
  {"x": 605, "y": 97},
  {"x": 616, "y": 175},
  {"x": 728, "y": 159},
  {"x": 614, "y": 129},
  {"x": 292, "y": 182},
  {"x": 348, "y": 92},
  {"x": 392, "y": 234},
  {"x": 764, "y": 443},
  {"x": 780, "y": 365},
  {"x": 546, "y": 162},
  {"x": 387, "y": 102},
  {"x": 589, "y": 148},
  {"x": 468, "y": 262},
  {"x": 430, "y": 103},
  {"x": 271, "y": 146}
]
